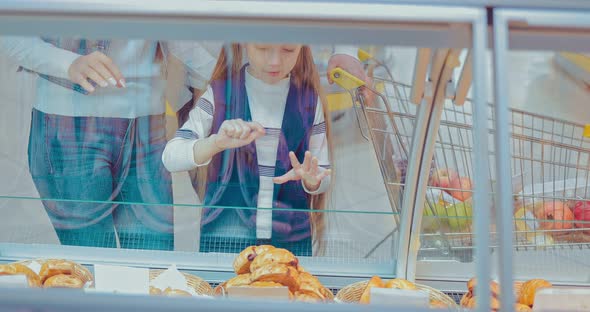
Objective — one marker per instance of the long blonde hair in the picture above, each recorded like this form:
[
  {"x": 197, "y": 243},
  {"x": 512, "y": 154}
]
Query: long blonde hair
[{"x": 304, "y": 75}]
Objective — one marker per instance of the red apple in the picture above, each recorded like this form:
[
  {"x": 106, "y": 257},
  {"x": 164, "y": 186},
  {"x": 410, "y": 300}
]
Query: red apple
[
  {"x": 459, "y": 187},
  {"x": 582, "y": 213},
  {"x": 555, "y": 215},
  {"x": 442, "y": 178}
]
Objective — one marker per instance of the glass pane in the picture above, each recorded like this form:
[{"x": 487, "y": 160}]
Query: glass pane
[{"x": 185, "y": 147}]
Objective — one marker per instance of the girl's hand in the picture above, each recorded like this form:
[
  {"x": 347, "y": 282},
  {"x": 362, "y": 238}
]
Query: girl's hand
[
  {"x": 237, "y": 133},
  {"x": 97, "y": 67},
  {"x": 309, "y": 172}
]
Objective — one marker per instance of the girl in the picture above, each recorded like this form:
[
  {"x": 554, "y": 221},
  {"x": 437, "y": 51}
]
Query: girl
[{"x": 258, "y": 136}]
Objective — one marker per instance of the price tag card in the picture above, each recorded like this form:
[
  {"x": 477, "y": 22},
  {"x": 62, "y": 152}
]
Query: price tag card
[
  {"x": 120, "y": 279},
  {"x": 562, "y": 299},
  {"x": 279, "y": 293},
  {"x": 390, "y": 296},
  {"x": 13, "y": 281}
]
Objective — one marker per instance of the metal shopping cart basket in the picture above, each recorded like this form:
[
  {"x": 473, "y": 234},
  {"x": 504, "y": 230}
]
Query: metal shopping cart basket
[{"x": 550, "y": 168}]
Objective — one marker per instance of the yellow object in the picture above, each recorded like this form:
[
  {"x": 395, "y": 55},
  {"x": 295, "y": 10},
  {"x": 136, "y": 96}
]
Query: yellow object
[
  {"x": 169, "y": 111},
  {"x": 587, "y": 131},
  {"x": 345, "y": 79},
  {"x": 580, "y": 60},
  {"x": 526, "y": 224},
  {"x": 364, "y": 55},
  {"x": 339, "y": 101}
]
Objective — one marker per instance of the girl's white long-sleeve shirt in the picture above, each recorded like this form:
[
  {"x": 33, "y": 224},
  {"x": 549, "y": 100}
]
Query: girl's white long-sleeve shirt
[{"x": 267, "y": 105}]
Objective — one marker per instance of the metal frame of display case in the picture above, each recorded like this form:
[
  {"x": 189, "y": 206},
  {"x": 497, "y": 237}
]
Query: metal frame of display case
[
  {"x": 519, "y": 29},
  {"x": 402, "y": 24}
]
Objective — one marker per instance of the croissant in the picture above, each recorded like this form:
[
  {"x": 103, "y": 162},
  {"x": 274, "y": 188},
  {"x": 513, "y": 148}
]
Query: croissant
[
  {"x": 517, "y": 289},
  {"x": 63, "y": 281},
  {"x": 401, "y": 284},
  {"x": 274, "y": 256},
  {"x": 242, "y": 262},
  {"x": 240, "y": 280},
  {"x": 375, "y": 281},
  {"x": 310, "y": 284},
  {"x": 522, "y": 308},
  {"x": 529, "y": 289},
  {"x": 465, "y": 299},
  {"x": 20, "y": 269},
  {"x": 176, "y": 292},
  {"x": 494, "y": 287},
  {"x": 437, "y": 304},
  {"x": 55, "y": 267},
  {"x": 279, "y": 273},
  {"x": 305, "y": 296}
]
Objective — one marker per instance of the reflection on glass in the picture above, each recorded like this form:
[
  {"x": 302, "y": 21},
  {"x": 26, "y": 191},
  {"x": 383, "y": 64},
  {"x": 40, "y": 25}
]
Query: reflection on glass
[{"x": 253, "y": 128}]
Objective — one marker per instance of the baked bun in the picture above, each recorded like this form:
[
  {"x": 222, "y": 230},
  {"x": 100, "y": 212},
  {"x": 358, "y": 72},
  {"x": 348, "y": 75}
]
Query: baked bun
[
  {"x": 304, "y": 296},
  {"x": 494, "y": 287},
  {"x": 271, "y": 285},
  {"x": 399, "y": 283},
  {"x": 240, "y": 280},
  {"x": 437, "y": 304},
  {"x": 529, "y": 289},
  {"x": 522, "y": 308},
  {"x": 63, "y": 281},
  {"x": 55, "y": 267},
  {"x": 242, "y": 262},
  {"x": 494, "y": 303},
  {"x": 310, "y": 284},
  {"x": 465, "y": 299},
  {"x": 20, "y": 269},
  {"x": 375, "y": 281},
  {"x": 176, "y": 292},
  {"x": 279, "y": 273},
  {"x": 155, "y": 291},
  {"x": 274, "y": 256}
]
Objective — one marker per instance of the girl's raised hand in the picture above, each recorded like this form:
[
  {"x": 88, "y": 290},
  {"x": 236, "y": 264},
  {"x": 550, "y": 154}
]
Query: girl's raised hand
[
  {"x": 309, "y": 172},
  {"x": 236, "y": 133}
]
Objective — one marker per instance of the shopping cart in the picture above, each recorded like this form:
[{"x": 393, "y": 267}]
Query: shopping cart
[{"x": 550, "y": 168}]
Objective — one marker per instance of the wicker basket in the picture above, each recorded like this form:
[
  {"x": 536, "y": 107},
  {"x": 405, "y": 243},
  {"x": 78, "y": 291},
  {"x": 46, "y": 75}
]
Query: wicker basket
[
  {"x": 80, "y": 271},
  {"x": 199, "y": 285},
  {"x": 352, "y": 294}
]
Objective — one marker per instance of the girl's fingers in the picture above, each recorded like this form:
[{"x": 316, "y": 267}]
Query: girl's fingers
[
  {"x": 245, "y": 129},
  {"x": 314, "y": 166},
  {"x": 256, "y": 127},
  {"x": 324, "y": 174},
  {"x": 294, "y": 162},
  {"x": 289, "y": 176},
  {"x": 307, "y": 161}
]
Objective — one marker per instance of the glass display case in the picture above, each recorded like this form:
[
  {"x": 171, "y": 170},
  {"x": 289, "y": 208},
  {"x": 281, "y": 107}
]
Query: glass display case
[{"x": 157, "y": 136}]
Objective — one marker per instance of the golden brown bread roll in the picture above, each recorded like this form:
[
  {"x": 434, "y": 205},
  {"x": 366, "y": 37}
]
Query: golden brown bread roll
[
  {"x": 55, "y": 267},
  {"x": 63, "y": 281},
  {"x": 529, "y": 289},
  {"x": 240, "y": 280},
  {"x": 465, "y": 299},
  {"x": 220, "y": 289},
  {"x": 309, "y": 283},
  {"x": 176, "y": 292},
  {"x": 522, "y": 308},
  {"x": 437, "y": 304},
  {"x": 270, "y": 285},
  {"x": 155, "y": 291},
  {"x": 305, "y": 296},
  {"x": 517, "y": 289},
  {"x": 20, "y": 269},
  {"x": 242, "y": 262},
  {"x": 279, "y": 273},
  {"x": 274, "y": 256},
  {"x": 471, "y": 285},
  {"x": 399, "y": 283},
  {"x": 494, "y": 303},
  {"x": 375, "y": 281},
  {"x": 494, "y": 287}
]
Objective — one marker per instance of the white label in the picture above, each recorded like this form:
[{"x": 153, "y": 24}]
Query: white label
[
  {"x": 121, "y": 279},
  {"x": 392, "y": 296},
  {"x": 13, "y": 281},
  {"x": 562, "y": 299},
  {"x": 280, "y": 293}
]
